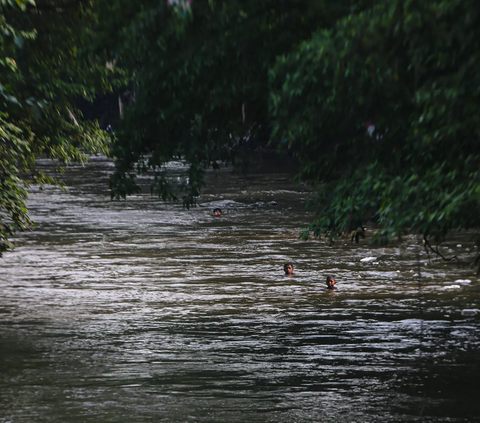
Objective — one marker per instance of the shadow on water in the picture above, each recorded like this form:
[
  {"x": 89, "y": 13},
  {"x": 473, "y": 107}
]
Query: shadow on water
[{"x": 143, "y": 311}]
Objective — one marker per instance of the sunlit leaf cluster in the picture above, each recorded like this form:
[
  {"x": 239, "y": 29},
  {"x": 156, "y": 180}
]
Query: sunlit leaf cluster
[{"x": 45, "y": 67}]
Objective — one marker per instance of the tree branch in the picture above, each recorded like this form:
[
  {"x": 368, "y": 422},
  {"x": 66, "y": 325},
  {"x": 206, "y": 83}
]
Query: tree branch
[{"x": 426, "y": 243}]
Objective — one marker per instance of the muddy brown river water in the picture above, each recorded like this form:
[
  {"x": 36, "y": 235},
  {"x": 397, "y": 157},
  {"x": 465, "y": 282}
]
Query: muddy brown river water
[{"x": 142, "y": 311}]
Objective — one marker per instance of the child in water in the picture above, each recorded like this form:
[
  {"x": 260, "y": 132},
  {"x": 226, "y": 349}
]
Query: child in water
[
  {"x": 331, "y": 283},
  {"x": 288, "y": 268},
  {"x": 217, "y": 212}
]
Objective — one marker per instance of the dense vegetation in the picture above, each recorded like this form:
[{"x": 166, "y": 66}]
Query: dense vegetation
[
  {"x": 375, "y": 99},
  {"x": 411, "y": 69},
  {"x": 200, "y": 87},
  {"x": 311, "y": 76},
  {"x": 45, "y": 67}
]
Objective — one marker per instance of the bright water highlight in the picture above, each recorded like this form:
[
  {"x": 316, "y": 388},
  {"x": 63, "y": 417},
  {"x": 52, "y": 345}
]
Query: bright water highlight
[{"x": 139, "y": 311}]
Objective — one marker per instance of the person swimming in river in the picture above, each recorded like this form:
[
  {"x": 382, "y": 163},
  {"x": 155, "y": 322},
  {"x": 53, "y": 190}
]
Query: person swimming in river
[
  {"x": 288, "y": 268},
  {"x": 217, "y": 212},
  {"x": 330, "y": 283}
]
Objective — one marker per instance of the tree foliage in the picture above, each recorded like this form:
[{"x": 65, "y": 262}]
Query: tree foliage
[
  {"x": 208, "y": 82},
  {"x": 45, "y": 66},
  {"x": 200, "y": 85},
  {"x": 412, "y": 68},
  {"x": 309, "y": 76}
]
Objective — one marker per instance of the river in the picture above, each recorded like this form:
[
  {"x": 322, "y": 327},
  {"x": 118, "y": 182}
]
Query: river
[{"x": 142, "y": 311}]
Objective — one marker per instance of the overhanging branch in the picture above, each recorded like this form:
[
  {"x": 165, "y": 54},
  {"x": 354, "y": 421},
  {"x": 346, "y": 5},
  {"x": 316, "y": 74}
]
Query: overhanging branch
[{"x": 427, "y": 246}]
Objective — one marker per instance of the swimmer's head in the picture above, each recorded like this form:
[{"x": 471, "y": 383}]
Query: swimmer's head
[
  {"x": 330, "y": 282},
  {"x": 288, "y": 268},
  {"x": 217, "y": 212}
]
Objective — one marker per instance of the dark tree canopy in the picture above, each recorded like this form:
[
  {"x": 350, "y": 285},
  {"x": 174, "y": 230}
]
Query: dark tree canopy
[
  {"x": 376, "y": 100},
  {"x": 312, "y": 76},
  {"x": 411, "y": 68},
  {"x": 200, "y": 86}
]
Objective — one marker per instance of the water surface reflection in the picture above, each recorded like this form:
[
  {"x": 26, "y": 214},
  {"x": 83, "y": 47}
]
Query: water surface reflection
[{"x": 143, "y": 311}]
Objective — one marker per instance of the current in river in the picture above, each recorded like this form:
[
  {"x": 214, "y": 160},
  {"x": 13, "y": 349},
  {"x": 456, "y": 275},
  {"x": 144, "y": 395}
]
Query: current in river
[{"x": 143, "y": 311}]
